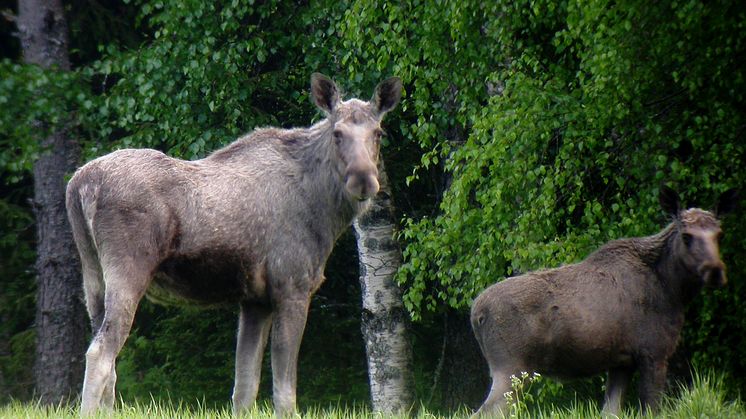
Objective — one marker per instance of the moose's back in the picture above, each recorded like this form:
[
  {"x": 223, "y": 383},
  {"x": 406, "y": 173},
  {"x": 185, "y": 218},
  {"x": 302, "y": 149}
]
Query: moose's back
[{"x": 205, "y": 221}]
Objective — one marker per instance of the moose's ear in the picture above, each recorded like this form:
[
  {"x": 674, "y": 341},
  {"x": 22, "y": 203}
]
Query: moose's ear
[
  {"x": 727, "y": 202},
  {"x": 324, "y": 92},
  {"x": 669, "y": 200},
  {"x": 387, "y": 95}
]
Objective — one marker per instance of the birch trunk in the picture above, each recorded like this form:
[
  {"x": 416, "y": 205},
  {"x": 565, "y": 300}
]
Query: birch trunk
[
  {"x": 60, "y": 317},
  {"x": 384, "y": 319}
]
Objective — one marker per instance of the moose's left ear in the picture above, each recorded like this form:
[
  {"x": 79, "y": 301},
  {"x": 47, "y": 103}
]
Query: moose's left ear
[
  {"x": 727, "y": 202},
  {"x": 387, "y": 95},
  {"x": 669, "y": 201},
  {"x": 324, "y": 92}
]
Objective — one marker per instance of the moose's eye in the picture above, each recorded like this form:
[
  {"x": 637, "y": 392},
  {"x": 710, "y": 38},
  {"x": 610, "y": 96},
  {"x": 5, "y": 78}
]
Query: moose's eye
[
  {"x": 337, "y": 136},
  {"x": 377, "y": 134},
  {"x": 687, "y": 239}
]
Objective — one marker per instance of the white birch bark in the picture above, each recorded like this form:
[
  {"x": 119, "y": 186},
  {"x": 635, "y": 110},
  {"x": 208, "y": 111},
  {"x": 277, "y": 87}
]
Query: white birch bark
[{"x": 384, "y": 319}]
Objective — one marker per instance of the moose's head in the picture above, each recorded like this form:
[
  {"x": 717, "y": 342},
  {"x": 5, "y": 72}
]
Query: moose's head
[
  {"x": 697, "y": 242},
  {"x": 356, "y": 131}
]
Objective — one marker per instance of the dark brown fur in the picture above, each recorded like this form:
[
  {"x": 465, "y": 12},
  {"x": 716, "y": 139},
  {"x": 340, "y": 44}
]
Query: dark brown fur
[
  {"x": 620, "y": 309},
  {"x": 253, "y": 224}
]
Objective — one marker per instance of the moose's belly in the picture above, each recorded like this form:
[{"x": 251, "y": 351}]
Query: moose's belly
[
  {"x": 569, "y": 363},
  {"x": 204, "y": 281}
]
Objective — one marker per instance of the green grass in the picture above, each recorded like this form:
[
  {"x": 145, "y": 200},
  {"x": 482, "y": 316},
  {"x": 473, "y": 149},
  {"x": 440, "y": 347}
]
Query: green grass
[
  {"x": 705, "y": 398},
  {"x": 157, "y": 410}
]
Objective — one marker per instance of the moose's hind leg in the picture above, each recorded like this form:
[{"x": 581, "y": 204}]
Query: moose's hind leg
[
  {"x": 496, "y": 402},
  {"x": 125, "y": 287},
  {"x": 616, "y": 385}
]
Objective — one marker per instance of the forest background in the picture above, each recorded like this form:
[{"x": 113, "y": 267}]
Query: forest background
[{"x": 530, "y": 132}]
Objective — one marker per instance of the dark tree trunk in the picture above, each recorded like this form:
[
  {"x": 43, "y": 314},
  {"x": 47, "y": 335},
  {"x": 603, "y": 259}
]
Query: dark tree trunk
[
  {"x": 384, "y": 324},
  {"x": 464, "y": 377},
  {"x": 60, "y": 317}
]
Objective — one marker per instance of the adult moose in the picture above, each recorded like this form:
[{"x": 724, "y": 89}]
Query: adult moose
[
  {"x": 620, "y": 309},
  {"x": 253, "y": 224}
]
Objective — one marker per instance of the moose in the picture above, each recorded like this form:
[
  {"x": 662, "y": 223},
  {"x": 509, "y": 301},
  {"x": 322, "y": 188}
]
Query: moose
[
  {"x": 619, "y": 310},
  {"x": 251, "y": 224}
]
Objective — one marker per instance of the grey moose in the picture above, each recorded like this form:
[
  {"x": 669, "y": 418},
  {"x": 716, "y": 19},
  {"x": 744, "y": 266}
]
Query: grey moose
[
  {"x": 252, "y": 224},
  {"x": 620, "y": 309}
]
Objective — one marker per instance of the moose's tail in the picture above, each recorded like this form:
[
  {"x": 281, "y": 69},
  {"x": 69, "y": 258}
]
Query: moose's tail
[
  {"x": 81, "y": 200},
  {"x": 479, "y": 314}
]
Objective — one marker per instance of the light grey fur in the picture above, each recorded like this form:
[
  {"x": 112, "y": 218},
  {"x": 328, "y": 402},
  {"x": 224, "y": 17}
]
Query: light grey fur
[{"x": 253, "y": 224}]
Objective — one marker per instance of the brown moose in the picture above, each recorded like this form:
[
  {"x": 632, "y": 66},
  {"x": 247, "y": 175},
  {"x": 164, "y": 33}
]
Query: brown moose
[
  {"x": 619, "y": 310},
  {"x": 252, "y": 224}
]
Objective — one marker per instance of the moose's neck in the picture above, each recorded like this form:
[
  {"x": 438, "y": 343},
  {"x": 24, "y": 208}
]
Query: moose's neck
[
  {"x": 659, "y": 252},
  {"x": 323, "y": 178}
]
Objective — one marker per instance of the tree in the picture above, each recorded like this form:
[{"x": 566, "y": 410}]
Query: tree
[
  {"x": 573, "y": 113},
  {"x": 384, "y": 319},
  {"x": 60, "y": 317}
]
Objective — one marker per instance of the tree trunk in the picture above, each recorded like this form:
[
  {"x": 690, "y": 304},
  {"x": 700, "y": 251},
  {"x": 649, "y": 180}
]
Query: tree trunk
[
  {"x": 60, "y": 316},
  {"x": 464, "y": 375},
  {"x": 384, "y": 319}
]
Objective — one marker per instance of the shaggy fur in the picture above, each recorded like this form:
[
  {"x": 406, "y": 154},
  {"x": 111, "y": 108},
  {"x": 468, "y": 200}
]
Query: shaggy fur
[
  {"x": 253, "y": 224},
  {"x": 620, "y": 309}
]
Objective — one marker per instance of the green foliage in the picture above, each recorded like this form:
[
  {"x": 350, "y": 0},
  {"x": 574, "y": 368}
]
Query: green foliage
[
  {"x": 35, "y": 102},
  {"x": 581, "y": 119},
  {"x": 211, "y": 72},
  {"x": 17, "y": 303},
  {"x": 555, "y": 124},
  {"x": 169, "y": 347}
]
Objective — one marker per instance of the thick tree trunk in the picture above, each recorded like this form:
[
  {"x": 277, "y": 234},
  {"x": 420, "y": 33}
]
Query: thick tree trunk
[
  {"x": 60, "y": 317},
  {"x": 384, "y": 319},
  {"x": 464, "y": 375}
]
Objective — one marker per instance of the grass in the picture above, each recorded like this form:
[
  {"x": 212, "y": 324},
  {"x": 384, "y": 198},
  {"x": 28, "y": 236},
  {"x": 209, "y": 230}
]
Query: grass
[{"x": 705, "y": 398}]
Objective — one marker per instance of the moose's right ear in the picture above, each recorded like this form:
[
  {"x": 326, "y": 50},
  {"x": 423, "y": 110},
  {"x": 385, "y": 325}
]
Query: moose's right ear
[
  {"x": 669, "y": 200},
  {"x": 727, "y": 202},
  {"x": 387, "y": 95},
  {"x": 324, "y": 92}
]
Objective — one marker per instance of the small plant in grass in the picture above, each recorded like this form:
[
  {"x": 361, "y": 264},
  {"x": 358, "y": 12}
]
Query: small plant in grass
[{"x": 520, "y": 396}]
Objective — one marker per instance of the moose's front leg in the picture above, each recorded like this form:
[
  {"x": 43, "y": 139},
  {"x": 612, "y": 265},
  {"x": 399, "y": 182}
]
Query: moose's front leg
[
  {"x": 652, "y": 381},
  {"x": 288, "y": 324},
  {"x": 253, "y": 330}
]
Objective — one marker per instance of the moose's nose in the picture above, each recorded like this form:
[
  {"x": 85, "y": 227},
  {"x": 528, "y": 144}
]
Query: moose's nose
[
  {"x": 713, "y": 274},
  {"x": 362, "y": 183}
]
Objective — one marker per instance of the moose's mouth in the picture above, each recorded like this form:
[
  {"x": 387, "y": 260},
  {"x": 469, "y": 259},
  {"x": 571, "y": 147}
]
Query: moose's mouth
[
  {"x": 361, "y": 187},
  {"x": 713, "y": 275}
]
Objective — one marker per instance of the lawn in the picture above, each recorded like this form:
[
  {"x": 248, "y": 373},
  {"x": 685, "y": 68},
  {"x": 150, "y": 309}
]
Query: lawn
[{"x": 705, "y": 398}]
